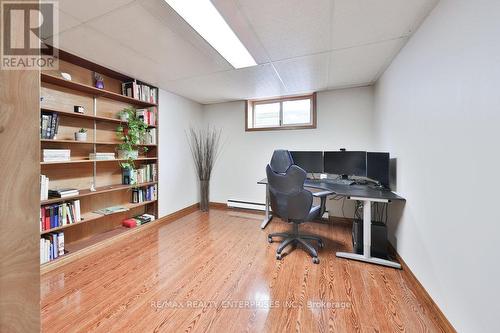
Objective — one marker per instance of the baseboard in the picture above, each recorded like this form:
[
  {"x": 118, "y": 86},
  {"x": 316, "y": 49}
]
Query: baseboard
[
  {"x": 422, "y": 293},
  {"x": 105, "y": 243},
  {"x": 218, "y": 205}
]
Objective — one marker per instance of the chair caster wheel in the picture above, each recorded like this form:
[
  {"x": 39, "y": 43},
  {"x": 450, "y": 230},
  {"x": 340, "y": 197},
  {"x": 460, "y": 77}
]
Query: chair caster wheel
[
  {"x": 269, "y": 240},
  {"x": 315, "y": 260},
  {"x": 278, "y": 256}
]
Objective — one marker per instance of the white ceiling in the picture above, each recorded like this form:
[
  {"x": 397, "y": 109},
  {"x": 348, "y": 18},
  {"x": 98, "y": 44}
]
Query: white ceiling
[{"x": 300, "y": 45}]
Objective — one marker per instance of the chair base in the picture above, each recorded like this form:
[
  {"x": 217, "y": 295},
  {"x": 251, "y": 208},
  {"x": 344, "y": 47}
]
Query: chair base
[{"x": 294, "y": 239}]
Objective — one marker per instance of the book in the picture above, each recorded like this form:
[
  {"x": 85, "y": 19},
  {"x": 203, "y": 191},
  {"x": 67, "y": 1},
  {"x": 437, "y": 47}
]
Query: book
[
  {"x": 49, "y": 125},
  {"x": 63, "y": 193},
  {"x": 58, "y": 215},
  {"x": 102, "y": 156},
  {"x": 44, "y": 187},
  {"x": 111, "y": 210},
  {"x": 51, "y": 246},
  {"x": 54, "y": 155},
  {"x": 60, "y": 243}
]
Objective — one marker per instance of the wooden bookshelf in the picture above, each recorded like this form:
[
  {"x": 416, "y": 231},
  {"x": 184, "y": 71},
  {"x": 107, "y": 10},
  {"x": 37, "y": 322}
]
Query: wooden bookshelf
[
  {"x": 102, "y": 106},
  {"x": 99, "y": 190},
  {"x": 96, "y": 161},
  {"x": 59, "y": 81},
  {"x": 88, "y": 116},
  {"x": 91, "y": 216}
]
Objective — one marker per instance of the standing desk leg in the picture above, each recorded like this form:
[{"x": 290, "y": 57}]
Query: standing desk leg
[
  {"x": 269, "y": 216},
  {"x": 367, "y": 240}
]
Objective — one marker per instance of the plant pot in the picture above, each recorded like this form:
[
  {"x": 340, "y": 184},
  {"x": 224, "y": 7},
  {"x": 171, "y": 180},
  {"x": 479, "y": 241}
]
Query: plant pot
[
  {"x": 124, "y": 116},
  {"x": 99, "y": 84},
  {"x": 81, "y": 136},
  {"x": 125, "y": 154},
  {"x": 204, "y": 195}
]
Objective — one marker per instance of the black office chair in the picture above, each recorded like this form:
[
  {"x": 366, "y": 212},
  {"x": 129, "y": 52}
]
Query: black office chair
[{"x": 291, "y": 202}]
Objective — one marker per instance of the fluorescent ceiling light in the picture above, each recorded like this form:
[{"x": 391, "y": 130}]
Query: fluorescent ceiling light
[{"x": 208, "y": 22}]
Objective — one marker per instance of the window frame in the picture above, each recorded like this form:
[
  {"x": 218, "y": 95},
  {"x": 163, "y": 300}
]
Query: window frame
[{"x": 249, "y": 105}]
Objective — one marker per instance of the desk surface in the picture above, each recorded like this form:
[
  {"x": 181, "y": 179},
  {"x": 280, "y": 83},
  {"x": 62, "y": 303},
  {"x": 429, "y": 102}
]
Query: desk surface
[{"x": 362, "y": 191}]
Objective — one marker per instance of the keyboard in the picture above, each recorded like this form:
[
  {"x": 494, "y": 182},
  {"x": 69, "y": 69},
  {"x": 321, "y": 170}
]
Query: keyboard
[{"x": 339, "y": 181}]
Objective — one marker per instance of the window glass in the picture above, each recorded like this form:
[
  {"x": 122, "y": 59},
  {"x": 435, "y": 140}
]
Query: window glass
[
  {"x": 267, "y": 115},
  {"x": 297, "y": 112}
]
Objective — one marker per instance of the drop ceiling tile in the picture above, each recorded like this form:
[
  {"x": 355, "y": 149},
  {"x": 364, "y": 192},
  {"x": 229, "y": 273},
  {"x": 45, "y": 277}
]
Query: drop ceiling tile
[
  {"x": 176, "y": 57},
  {"x": 304, "y": 74},
  {"x": 357, "y": 22},
  {"x": 85, "y": 10},
  {"x": 363, "y": 64},
  {"x": 290, "y": 28},
  {"x": 245, "y": 83},
  {"x": 94, "y": 46}
]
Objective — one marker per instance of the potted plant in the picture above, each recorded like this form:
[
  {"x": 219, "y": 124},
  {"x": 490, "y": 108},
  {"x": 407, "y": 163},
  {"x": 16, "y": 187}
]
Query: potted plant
[
  {"x": 81, "y": 135},
  {"x": 131, "y": 135},
  {"x": 123, "y": 115}
]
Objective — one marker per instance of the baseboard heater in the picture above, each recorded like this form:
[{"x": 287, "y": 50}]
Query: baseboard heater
[{"x": 246, "y": 205}]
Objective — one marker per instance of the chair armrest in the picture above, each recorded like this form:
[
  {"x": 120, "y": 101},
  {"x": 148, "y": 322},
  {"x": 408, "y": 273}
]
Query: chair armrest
[{"x": 322, "y": 194}]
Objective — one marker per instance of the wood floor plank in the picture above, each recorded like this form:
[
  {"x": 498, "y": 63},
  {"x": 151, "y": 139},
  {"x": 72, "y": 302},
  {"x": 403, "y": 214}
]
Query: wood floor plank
[{"x": 216, "y": 272}]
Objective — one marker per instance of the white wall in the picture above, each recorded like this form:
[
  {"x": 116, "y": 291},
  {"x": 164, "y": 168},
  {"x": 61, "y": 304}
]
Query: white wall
[
  {"x": 344, "y": 120},
  {"x": 178, "y": 186},
  {"x": 437, "y": 109}
]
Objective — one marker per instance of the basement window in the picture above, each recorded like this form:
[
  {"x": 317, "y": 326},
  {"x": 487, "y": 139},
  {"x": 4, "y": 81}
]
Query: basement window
[{"x": 295, "y": 112}]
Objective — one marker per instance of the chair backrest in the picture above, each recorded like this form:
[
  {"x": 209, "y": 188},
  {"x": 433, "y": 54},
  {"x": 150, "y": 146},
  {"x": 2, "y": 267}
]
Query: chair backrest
[
  {"x": 289, "y": 199},
  {"x": 281, "y": 161}
]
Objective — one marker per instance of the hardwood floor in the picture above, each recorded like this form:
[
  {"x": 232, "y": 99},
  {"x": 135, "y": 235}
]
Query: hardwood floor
[{"x": 216, "y": 273}]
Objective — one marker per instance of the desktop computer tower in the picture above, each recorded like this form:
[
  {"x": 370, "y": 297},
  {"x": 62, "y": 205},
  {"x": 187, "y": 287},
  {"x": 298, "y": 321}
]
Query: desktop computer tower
[{"x": 379, "y": 238}]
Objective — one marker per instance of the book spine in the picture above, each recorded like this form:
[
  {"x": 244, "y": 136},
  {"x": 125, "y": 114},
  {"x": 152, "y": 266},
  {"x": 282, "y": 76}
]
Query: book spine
[
  {"x": 60, "y": 243},
  {"x": 77, "y": 210}
]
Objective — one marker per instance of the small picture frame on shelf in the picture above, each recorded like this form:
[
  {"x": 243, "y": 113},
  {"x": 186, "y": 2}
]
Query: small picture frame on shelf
[{"x": 79, "y": 109}]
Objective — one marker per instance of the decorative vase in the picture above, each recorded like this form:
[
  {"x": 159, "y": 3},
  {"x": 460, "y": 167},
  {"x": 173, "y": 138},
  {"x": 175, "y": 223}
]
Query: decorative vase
[
  {"x": 81, "y": 136},
  {"x": 126, "y": 176},
  {"x": 204, "y": 195}
]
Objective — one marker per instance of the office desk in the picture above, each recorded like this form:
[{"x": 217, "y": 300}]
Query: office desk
[{"x": 363, "y": 193}]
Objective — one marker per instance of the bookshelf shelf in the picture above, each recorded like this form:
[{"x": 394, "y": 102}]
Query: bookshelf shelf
[
  {"x": 91, "y": 216},
  {"x": 98, "y": 161},
  {"x": 99, "y": 190},
  {"x": 111, "y": 143},
  {"x": 87, "y": 116},
  {"x": 47, "y": 78},
  {"x": 101, "y": 119}
]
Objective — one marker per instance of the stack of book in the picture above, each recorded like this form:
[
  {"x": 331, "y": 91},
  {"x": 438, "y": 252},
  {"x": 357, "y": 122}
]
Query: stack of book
[
  {"x": 141, "y": 91},
  {"x": 144, "y": 194},
  {"x": 148, "y": 116},
  {"x": 49, "y": 124},
  {"x": 54, "y": 216},
  {"x": 51, "y": 246},
  {"x": 63, "y": 192},
  {"x": 150, "y": 136},
  {"x": 102, "y": 156},
  {"x": 44, "y": 187},
  {"x": 143, "y": 219},
  {"x": 56, "y": 155}
]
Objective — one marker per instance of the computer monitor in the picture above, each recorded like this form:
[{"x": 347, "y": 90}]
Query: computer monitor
[
  {"x": 310, "y": 161},
  {"x": 345, "y": 163},
  {"x": 377, "y": 167}
]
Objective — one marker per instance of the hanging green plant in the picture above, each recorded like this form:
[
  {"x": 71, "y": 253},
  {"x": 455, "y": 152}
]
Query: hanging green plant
[{"x": 132, "y": 134}]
